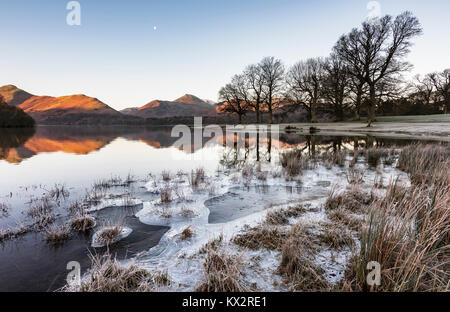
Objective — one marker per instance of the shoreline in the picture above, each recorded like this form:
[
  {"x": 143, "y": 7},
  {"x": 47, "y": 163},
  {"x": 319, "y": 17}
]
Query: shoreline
[{"x": 415, "y": 130}]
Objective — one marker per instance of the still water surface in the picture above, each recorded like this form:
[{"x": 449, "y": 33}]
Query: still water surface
[{"x": 33, "y": 161}]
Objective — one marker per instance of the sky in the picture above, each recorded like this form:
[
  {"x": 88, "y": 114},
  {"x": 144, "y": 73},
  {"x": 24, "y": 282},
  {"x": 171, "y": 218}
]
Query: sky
[{"x": 127, "y": 53}]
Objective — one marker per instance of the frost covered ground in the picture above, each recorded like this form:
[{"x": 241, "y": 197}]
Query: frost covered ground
[{"x": 180, "y": 204}]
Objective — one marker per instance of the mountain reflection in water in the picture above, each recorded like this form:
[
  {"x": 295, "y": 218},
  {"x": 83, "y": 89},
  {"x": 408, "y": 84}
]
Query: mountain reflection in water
[{"x": 17, "y": 145}]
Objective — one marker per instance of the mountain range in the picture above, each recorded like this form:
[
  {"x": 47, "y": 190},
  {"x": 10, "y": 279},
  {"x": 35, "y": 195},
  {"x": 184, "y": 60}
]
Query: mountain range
[
  {"x": 187, "y": 105},
  {"x": 82, "y": 109}
]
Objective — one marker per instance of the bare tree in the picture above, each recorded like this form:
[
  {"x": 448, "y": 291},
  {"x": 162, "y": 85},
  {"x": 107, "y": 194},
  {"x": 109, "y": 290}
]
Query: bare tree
[
  {"x": 235, "y": 97},
  {"x": 336, "y": 86},
  {"x": 441, "y": 82},
  {"x": 255, "y": 79},
  {"x": 358, "y": 89},
  {"x": 273, "y": 74},
  {"x": 377, "y": 51},
  {"x": 305, "y": 82},
  {"x": 424, "y": 88}
]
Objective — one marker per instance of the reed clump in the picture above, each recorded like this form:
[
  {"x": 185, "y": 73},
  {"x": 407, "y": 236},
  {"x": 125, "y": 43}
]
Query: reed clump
[
  {"x": 187, "y": 233},
  {"x": 57, "y": 234},
  {"x": 407, "y": 231},
  {"x": 352, "y": 199},
  {"x": 336, "y": 235},
  {"x": 293, "y": 162},
  {"x": 108, "y": 275},
  {"x": 425, "y": 163},
  {"x": 297, "y": 264},
  {"x": 222, "y": 273},
  {"x": 83, "y": 223},
  {"x": 281, "y": 216},
  {"x": 109, "y": 232},
  {"x": 41, "y": 211},
  {"x": 197, "y": 176},
  {"x": 262, "y": 236}
]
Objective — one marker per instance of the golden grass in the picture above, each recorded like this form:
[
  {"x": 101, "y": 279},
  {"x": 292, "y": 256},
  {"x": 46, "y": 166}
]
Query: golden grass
[
  {"x": 407, "y": 231},
  {"x": 352, "y": 199},
  {"x": 297, "y": 266},
  {"x": 187, "y": 233},
  {"x": 262, "y": 236},
  {"x": 83, "y": 223},
  {"x": 108, "y": 275},
  {"x": 336, "y": 235},
  {"x": 222, "y": 273},
  {"x": 57, "y": 234},
  {"x": 293, "y": 162},
  {"x": 281, "y": 216}
]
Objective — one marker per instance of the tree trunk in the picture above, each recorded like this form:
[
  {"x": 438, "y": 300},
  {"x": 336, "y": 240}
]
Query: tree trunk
[
  {"x": 257, "y": 145},
  {"x": 313, "y": 112},
  {"x": 357, "y": 115},
  {"x": 308, "y": 114},
  {"x": 372, "y": 105},
  {"x": 358, "y": 105},
  {"x": 258, "y": 117},
  {"x": 257, "y": 113},
  {"x": 339, "y": 112},
  {"x": 359, "y": 93},
  {"x": 314, "y": 106},
  {"x": 240, "y": 118},
  {"x": 313, "y": 145},
  {"x": 270, "y": 114},
  {"x": 269, "y": 104}
]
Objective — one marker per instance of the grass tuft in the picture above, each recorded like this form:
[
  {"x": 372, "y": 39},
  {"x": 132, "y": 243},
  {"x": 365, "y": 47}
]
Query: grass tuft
[
  {"x": 222, "y": 273},
  {"x": 187, "y": 233},
  {"x": 259, "y": 237},
  {"x": 57, "y": 234},
  {"x": 297, "y": 265},
  {"x": 83, "y": 223},
  {"x": 281, "y": 216}
]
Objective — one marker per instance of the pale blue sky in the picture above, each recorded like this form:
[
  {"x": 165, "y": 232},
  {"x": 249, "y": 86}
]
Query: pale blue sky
[{"x": 117, "y": 56}]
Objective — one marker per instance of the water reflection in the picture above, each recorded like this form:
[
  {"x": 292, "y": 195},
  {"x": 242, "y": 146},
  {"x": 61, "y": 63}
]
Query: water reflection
[
  {"x": 10, "y": 142},
  {"x": 17, "y": 145}
]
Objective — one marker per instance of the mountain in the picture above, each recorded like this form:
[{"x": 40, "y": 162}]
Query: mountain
[
  {"x": 13, "y": 95},
  {"x": 82, "y": 109},
  {"x": 187, "y": 105},
  {"x": 72, "y": 109},
  {"x": 71, "y": 104},
  {"x": 190, "y": 99}
]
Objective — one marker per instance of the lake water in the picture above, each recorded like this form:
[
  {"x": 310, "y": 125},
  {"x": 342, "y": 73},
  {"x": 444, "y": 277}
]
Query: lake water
[
  {"x": 79, "y": 156},
  {"x": 32, "y": 162}
]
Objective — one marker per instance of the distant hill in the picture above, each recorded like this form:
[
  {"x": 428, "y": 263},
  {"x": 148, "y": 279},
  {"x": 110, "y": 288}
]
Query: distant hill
[
  {"x": 190, "y": 99},
  {"x": 187, "y": 105},
  {"x": 82, "y": 109},
  {"x": 44, "y": 107},
  {"x": 13, "y": 95},
  {"x": 72, "y": 109},
  {"x": 11, "y": 116}
]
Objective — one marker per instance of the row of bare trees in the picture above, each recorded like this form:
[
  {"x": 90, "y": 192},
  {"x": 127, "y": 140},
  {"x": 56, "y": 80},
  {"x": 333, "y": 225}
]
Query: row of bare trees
[
  {"x": 258, "y": 87},
  {"x": 432, "y": 88},
  {"x": 365, "y": 68}
]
